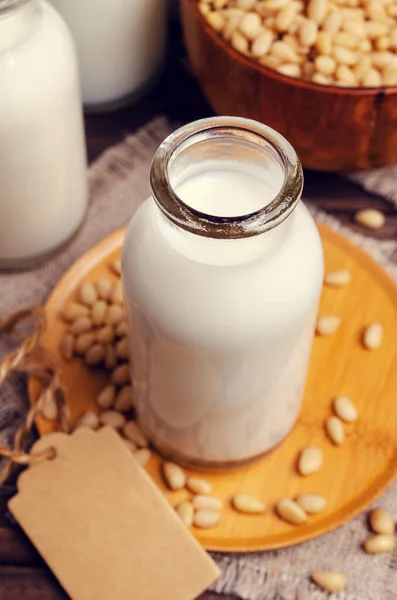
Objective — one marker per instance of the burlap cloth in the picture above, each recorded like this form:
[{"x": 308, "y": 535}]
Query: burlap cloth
[{"x": 119, "y": 182}]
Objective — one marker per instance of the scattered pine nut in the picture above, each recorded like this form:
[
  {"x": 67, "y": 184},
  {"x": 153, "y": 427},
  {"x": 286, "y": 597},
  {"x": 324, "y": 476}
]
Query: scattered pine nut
[
  {"x": 201, "y": 501},
  {"x": 123, "y": 401},
  {"x": 106, "y": 397},
  {"x": 289, "y": 511},
  {"x": 122, "y": 329},
  {"x": 328, "y": 324},
  {"x": 340, "y": 278},
  {"x": 110, "y": 358},
  {"x": 104, "y": 287},
  {"x": 371, "y": 218},
  {"x": 330, "y": 581},
  {"x": 185, "y": 512},
  {"x": 206, "y": 518},
  {"x": 95, "y": 355},
  {"x": 117, "y": 296},
  {"x": 196, "y": 485},
  {"x": 114, "y": 314},
  {"x": 87, "y": 294},
  {"x": 132, "y": 431},
  {"x": 311, "y": 503},
  {"x": 379, "y": 544},
  {"x": 143, "y": 456},
  {"x": 98, "y": 313},
  {"x": 310, "y": 460},
  {"x": 89, "y": 420},
  {"x": 105, "y": 335},
  {"x": 249, "y": 505},
  {"x": 112, "y": 418},
  {"x": 83, "y": 342},
  {"x": 174, "y": 476},
  {"x": 345, "y": 409},
  {"x": 335, "y": 430},
  {"x": 122, "y": 349},
  {"x": 373, "y": 335},
  {"x": 80, "y": 325},
  {"x": 121, "y": 375},
  {"x": 74, "y": 310},
  {"x": 381, "y": 521}
]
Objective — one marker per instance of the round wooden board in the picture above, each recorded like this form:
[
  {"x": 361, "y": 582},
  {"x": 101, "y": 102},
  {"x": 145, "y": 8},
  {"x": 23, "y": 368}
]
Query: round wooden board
[{"x": 352, "y": 475}]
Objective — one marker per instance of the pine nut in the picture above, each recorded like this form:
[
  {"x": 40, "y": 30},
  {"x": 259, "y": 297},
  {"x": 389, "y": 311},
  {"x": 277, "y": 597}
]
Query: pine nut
[
  {"x": 273, "y": 5},
  {"x": 199, "y": 486},
  {"x": 325, "y": 65},
  {"x": 87, "y": 294},
  {"x": 290, "y": 70},
  {"x": 135, "y": 435},
  {"x": 373, "y": 335},
  {"x": 74, "y": 310},
  {"x": 310, "y": 460},
  {"x": 311, "y": 503},
  {"x": 83, "y": 342},
  {"x": 343, "y": 39},
  {"x": 123, "y": 402},
  {"x": 206, "y": 518},
  {"x": 372, "y": 79},
  {"x": 121, "y": 329},
  {"x": 328, "y": 324},
  {"x": 317, "y": 10},
  {"x": 174, "y": 476},
  {"x": 95, "y": 355},
  {"x": 344, "y": 56},
  {"x": 80, "y": 325},
  {"x": 345, "y": 409},
  {"x": 89, "y": 420},
  {"x": 345, "y": 75},
  {"x": 285, "y": 18},
  {"x": 110, "y": 358},
  {"x": 210, "y": 502},
  {"x": 104, "y": 288},
  {"x": 106, "y": 398},
  {"x": 335, "y": 430},
  {"x": 308, "y": 33},
  {"x": 381, "y": 522},
  {"x": 112, "y": 418},
  {"x": 99, "y": 313},
  {"x": 333, "y": 22},
  {"x": 375, "y": 29},
  {"x": 337, "y": 278},
  {"x": 246, "y": 4},
  {"x": 66, "y": 347},
  {"x": 114, "y": 314},
  {"x": 250, "y": 25},
  {"x": 291, "y": 512},
  {"x": 122, "y": 349},
  {"x": 185, "y": 512},
  {"x": 239, "y": 42},
  {"x": 143, "y": 456},
  {"x": 105, "y": 335},
  {"x": 231, "y": 25},
  {"x": 262, "y": 43},
  {"x": 382, "y": 59},
  {"x": 121, "y": 375},
  {"x": 284, "y": 52},
  {"x": 330, "y": 581},
  {"x": 324, "y": 43},
  {"x": 322, "y": 79},
  {"x": 379, "y": 544},
  {"x": 371, "y": 218},
  {"x": 247, "y": 504},
  {"x": 215, "y": 20}
]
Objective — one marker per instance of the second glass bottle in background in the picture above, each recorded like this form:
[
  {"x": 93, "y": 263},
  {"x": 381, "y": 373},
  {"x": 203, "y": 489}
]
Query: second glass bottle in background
[{"x": 120, "y": 46}]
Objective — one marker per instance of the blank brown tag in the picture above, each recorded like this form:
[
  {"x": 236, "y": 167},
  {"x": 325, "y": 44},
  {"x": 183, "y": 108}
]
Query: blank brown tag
[{"x": 102, "y": 525}]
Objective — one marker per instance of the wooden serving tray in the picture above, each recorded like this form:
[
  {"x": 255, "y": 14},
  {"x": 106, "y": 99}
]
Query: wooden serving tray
[{"x": 352, "y": 475}]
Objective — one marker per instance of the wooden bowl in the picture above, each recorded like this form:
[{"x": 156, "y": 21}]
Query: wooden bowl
[{"x": 331, "y": 128}]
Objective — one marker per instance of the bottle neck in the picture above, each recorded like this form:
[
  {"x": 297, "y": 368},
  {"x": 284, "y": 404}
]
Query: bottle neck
[{"x": 18, "y": 20}]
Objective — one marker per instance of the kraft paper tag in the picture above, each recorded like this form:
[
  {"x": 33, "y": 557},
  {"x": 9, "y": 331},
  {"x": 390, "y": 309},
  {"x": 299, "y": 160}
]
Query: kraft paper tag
[{"x": 103, "y": 526}]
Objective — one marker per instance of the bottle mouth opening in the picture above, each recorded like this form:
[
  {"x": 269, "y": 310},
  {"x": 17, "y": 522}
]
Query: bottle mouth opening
[{"x": 237, "y": 145}]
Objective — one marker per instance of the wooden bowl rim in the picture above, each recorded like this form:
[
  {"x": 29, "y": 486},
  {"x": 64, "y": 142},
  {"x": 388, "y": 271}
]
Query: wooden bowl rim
[{"x": 272, "y": 74}]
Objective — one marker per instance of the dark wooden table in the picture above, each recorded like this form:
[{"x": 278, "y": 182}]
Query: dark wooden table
[{"x": 23, "y": 575}]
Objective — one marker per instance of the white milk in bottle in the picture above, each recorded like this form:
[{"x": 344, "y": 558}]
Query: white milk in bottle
[
  {"x": 43, "y": 177},
  {"x": 120, "y": 45},
  {"x": 222, "y": 269}
]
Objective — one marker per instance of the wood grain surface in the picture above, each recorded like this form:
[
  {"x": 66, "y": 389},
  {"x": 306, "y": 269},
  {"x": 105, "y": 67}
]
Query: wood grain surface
[
  {"x": 330, "y": 127},
  {"x": 22, "y": 573}
]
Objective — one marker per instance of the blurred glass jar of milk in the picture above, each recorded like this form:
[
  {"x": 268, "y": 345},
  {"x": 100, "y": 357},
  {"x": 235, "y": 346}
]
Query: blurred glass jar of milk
[
  {"x": 43, "y": 175},
  {"x": 120, "y": 44}
]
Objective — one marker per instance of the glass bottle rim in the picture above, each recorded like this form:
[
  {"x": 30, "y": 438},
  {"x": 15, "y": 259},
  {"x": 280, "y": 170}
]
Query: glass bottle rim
[{"x": 207, "y": 225}]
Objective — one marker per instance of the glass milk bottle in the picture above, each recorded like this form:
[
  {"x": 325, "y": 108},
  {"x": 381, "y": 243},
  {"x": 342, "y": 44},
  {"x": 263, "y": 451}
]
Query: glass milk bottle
[
  {"x": 43, "y": 177},
  {"x": 222, "y": 269},
  {"x": 120, "y": 44}
]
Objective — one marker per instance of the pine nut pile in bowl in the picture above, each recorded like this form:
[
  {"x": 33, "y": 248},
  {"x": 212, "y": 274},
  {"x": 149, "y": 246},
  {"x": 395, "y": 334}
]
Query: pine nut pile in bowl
[
  {"x": 330, "y": 42},
  {"x": 323, "y": 73}
]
